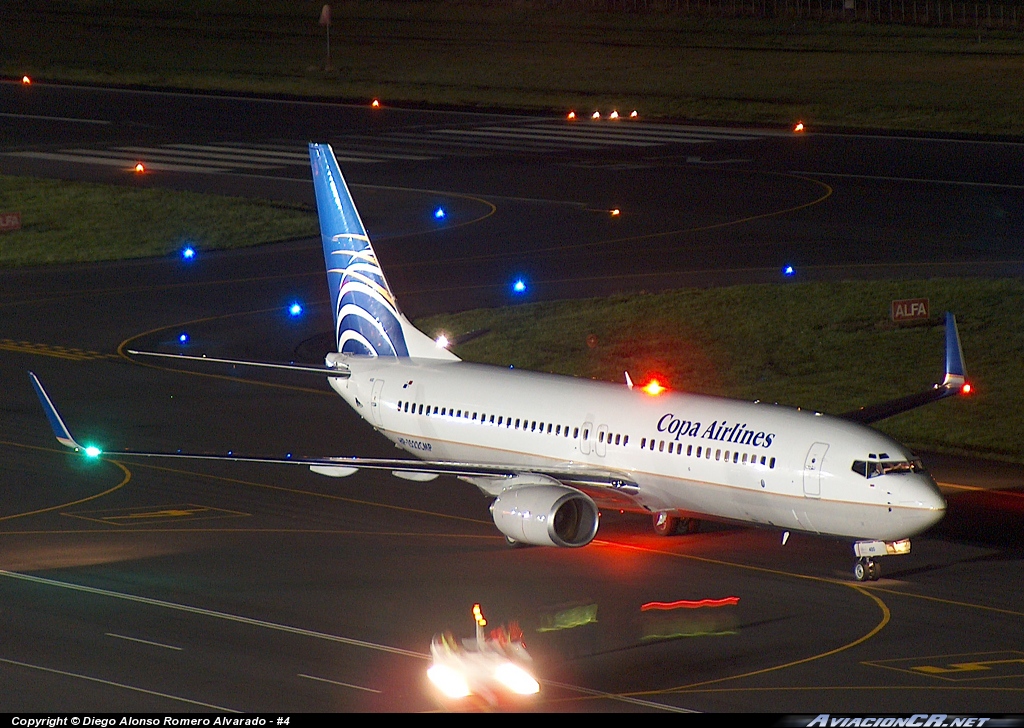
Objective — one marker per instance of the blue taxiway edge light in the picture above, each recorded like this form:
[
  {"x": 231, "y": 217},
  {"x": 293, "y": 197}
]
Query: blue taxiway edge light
[
  {"x": 183, "y": 338},
  {"x": 519, "y": 286},
  {"x": 295, "y": 309},
  {"x": 788, "y": 271},
  {"x": 440, "y": 214},
  {"x": 188, "y": 253}
]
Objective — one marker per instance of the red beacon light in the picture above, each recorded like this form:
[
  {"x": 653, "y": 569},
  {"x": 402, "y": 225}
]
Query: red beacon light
[
  {"x": 966, "y": 388},
  {"x": 653, "y": 388}
]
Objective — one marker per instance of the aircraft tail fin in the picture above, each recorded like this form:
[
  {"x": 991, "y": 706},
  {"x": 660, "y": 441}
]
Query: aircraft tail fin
[
  {"x": 366, "y": 316},
  {"x": 956, "y": 371}
]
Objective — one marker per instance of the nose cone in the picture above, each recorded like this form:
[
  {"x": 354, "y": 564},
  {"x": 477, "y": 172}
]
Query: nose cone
[{"x": 923, "y": 504}]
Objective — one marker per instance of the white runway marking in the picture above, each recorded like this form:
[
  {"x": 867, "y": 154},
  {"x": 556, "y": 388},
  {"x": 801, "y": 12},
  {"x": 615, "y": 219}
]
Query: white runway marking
[
  {"x": 919, "y": 180},
  {"x": 215, "y": 615},
  {"x": 133, "y": 688},
  {"x": 145, "y": 642},
  {"x": 342, "y": 684},
  {"x": 71, "y": 119}
]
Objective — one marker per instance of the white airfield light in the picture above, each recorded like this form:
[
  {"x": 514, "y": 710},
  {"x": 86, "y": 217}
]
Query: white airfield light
[{"x": 441, "y": 341}]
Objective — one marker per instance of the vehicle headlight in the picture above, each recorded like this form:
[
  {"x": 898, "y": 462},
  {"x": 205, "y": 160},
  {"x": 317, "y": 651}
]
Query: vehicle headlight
[
  {"x": 516, "y": 679},
  {"x": 448, "y": 681}
]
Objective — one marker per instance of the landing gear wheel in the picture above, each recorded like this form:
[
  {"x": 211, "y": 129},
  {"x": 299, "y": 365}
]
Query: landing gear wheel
[
  {"x": 512, "y": 543},
  {"x": 874, "y": 570},
  {"x": 866, "y": 570},
  {"x": 860, "y": 570},
  {"x": 665, "y": 524}
]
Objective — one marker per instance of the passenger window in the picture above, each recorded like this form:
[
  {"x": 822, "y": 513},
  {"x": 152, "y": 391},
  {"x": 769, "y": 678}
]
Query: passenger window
[
  {"x": 616, "y": 439},
  {"x": 643, "y": 443},
  {"x": 517, "y": 423},
  {"x": 625, "y": 439},
  {"x": 575, "y": 432},
  {"x": 726, "y": 456},
  {"x": 771, "y": 463},
  {"x": 698, "y": 450},
  {"x": 689, "y": 451},
  {"x": 735, "y": 457},
  {"x": 718, "y": 454}
]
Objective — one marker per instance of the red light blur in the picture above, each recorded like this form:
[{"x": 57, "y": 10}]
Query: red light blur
[
  {"x": 26, "y": 80},
  {"x": 690, "y": 604},
  {"x": 571, "y": 115},
  {"x": 140, "y": 168},
  {"x": 966, "y": 389}
]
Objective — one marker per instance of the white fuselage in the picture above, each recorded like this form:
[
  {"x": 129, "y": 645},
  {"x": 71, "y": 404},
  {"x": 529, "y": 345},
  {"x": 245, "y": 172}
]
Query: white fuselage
[{"x": 692, "y": 454}]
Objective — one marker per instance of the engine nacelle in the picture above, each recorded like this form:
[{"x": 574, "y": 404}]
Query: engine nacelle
[{"x": 546, "y": 515}]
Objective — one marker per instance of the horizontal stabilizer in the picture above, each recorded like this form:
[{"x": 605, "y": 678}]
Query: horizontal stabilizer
[{"x": 338, "y": 370}]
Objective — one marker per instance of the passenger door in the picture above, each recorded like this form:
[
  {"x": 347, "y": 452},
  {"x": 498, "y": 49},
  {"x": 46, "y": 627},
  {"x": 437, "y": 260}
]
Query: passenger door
[{"x": 812, "y": 469}]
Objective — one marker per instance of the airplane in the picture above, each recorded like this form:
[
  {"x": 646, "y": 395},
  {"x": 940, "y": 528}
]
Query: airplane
[{"x": 552, "y": 450}]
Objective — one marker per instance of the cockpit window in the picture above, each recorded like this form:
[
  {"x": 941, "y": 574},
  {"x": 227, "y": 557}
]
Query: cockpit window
[{"x": 874, "y": 468}]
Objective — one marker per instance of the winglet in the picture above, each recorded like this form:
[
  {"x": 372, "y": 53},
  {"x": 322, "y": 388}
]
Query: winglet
[
  {"x": 956, "y": 372},
  {"x": 60, "y": 430}
]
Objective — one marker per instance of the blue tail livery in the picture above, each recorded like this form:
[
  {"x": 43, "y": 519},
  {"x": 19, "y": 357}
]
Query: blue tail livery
[{"x": 366, "y": 317}]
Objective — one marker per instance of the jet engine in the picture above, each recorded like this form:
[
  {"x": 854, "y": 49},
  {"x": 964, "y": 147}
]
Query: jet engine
[{"x": 546, "y": 515}]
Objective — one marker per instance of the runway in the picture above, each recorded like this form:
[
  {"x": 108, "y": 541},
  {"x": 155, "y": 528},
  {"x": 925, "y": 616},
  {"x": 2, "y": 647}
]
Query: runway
[{"x": 156, "y": 587}]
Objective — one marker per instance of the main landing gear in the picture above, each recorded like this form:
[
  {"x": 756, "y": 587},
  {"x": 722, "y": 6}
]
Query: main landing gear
[
  {"x": 867, "y": 569},
  {"x": 665, "y": 524}
]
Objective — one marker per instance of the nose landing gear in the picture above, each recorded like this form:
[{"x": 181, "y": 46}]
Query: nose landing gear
[{"x": 866, "y": 569}]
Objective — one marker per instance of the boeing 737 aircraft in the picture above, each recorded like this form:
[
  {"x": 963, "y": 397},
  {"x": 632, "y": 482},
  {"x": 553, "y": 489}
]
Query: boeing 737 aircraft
[{"x": 551, "y": 449}]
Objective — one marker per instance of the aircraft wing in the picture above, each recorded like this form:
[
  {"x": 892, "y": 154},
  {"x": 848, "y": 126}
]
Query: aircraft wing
[
  {"x": 335, "y": 369},
  {"x": 955, "y": 382},
  {"x": 568, "y": 473}
]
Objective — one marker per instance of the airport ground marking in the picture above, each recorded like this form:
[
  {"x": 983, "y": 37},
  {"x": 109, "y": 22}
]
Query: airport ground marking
[
  {"x": 958, "y": 667},
  {"x": 338, "y": 682},
  {"x": 920, "y": 180},
  {"x": 591, "y": 694},
  {"x": 124, "y": 481},
  {"x": 647, "y": 236},
  {"x": 72, "y": 119},
  {"x": 1001, "y": 491},
  {"x": 200, "y": 611},
  {"x": 121, "y": 352},
  {"x": 281, "y": 531},
  {"x": 155, "y": 514},
  {"x": 312, "y": 493},
  {"x": 123, "y": 686},
  {"x": 886, "y": 615},
  {"x": 58, "y": 352},
  {"x": 462, "y": 195},
  {"x": 145, "y": 642},
  {"x": 950, "y": 602}
]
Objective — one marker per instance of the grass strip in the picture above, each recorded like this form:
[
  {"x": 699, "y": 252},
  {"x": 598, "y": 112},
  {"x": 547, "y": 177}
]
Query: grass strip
[
  {"x": 537, "y": 56},
  {"x": 68, "y": 222},
  {"x": 824, "y": 346}
]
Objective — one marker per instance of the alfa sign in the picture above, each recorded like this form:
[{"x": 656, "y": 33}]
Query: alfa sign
[
  {"x": 10, "y": 221},
  {"x": 909, "y": 309}
]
